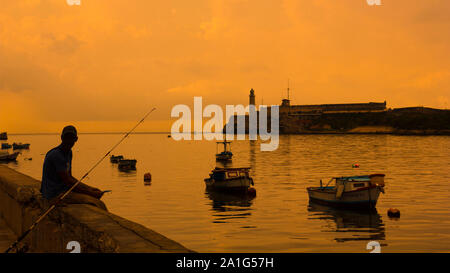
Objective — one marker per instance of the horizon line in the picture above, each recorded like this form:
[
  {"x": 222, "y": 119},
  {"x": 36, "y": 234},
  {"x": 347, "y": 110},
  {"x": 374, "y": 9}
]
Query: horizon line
[{"x": 114, "y": 133}]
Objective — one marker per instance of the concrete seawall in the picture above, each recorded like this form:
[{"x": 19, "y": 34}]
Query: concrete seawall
[{"x": 94, "y": 229}]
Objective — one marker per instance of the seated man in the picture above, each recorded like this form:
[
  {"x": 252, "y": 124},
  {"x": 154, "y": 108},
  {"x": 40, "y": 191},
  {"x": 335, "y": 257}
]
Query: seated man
[{"x": 57, "y": 175}]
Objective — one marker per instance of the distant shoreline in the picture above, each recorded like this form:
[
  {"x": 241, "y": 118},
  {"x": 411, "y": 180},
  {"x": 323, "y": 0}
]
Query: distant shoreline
[
  {"x": 93, "y": 133},
  {"x": 378, "y": 130},
  {"x": 355, "y": 131}
]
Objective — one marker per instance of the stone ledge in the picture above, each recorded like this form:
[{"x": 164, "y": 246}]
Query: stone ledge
[{"x": 95, "y": 229}]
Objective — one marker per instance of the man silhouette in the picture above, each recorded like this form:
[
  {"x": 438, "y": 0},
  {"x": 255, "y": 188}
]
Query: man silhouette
[{"x": 57, "y": 174}]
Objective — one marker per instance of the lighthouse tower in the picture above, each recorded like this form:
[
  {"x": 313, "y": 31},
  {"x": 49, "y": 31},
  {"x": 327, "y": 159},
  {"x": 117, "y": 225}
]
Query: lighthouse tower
[{"x": 252, "y": 97}]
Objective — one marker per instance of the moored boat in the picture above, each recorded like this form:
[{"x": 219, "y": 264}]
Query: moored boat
[
  {"x": 229, "y": 179},
  {"x": 127, "y": 164},
  {"x": 5, "y": 156},
  {"x": 19, "y": 146},
  {"x": 6, "y": 146},
  {"x": 115, "y": 159},
  {"x": 350, "y": 192}
]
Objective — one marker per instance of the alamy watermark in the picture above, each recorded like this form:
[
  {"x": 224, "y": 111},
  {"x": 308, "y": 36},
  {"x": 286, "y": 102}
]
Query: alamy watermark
[
  {"x": 374, "y": 2},
  {"x": 74, "y": 246},
  {"x": 73, "y": 2},
  {"x": 374, "y": 246},
  {"x": 216, "y": 121}
]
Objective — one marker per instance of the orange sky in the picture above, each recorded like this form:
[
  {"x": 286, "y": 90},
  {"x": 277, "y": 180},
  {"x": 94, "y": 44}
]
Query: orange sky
[{"x": 103, "y": 64}]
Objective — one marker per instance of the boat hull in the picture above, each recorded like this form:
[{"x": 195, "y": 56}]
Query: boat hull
[
  {"x": 115, "y": 159},
  {"x": 361, "y": 198},
  {"x": 20, "y": 146},
  {"x": 235, "y": 184},
  {"x": 127, "y": 164}
]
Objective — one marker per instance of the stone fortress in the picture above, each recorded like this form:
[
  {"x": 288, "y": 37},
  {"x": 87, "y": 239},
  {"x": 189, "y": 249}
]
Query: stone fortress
[
  {"x": 306, "y": 118},
  {"x": 355, "y": 118}
]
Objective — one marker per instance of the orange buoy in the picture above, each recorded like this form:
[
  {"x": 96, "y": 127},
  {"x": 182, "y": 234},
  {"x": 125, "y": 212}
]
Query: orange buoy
[
  {"x": 394, "y": 213},
  {"x": 147, "y": 177},
  {"x": 251, "y": 192},
  {"x": 355, "y": 165}
]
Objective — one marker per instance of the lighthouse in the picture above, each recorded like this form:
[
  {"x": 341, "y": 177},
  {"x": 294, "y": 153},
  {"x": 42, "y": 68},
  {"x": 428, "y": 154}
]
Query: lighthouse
[{"x": 252, "y": 97}]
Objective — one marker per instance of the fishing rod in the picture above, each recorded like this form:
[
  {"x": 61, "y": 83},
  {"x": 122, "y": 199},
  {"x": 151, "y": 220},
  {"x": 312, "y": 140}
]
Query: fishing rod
[{"x": 21, "y": 237}]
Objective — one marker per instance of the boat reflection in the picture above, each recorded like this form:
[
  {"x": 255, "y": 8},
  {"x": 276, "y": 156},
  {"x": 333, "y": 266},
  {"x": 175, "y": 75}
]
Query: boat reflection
[
  {"x": 229, "y": 206},
  {"x": 127, "y": 175},
  {"x": 350, "y": 225}
]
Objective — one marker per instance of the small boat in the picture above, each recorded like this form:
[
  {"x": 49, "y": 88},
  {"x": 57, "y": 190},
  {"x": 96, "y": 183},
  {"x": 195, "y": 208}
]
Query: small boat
[
  {"x": 229, "y": 179},
  {"x": 3, "y": 136},
  {"x": 19, "y": 146},
  {"x": 115, "y": 159},
  {"x": 5, "y": 156},
  {"x": 350, "y": 192},
  {"x": 226, "y": 155},
  {"x": 127, "y": 164},
  {"x": 6, "y": 146}
]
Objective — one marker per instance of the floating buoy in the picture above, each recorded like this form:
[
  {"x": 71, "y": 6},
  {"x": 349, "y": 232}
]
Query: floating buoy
[
  {"x": 147, "y": 177},
  {"x": 251, "y": 192},
  {"x": 394, "y": 213},
  {"x": 169, "y": 136},
  {"x": 356, "y": 165}
]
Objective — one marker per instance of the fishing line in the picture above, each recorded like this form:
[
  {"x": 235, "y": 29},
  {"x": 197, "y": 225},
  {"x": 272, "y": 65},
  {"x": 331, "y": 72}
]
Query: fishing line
[{"x": 21, "y": 237}]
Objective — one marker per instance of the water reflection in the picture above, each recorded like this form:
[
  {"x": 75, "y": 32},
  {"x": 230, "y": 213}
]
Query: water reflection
[
  {"x": 127, "y": 175},
  {"x": 349, "y": 225},
  {"x": 252, "y": 154},
  {"x": 228, "y": 206}
]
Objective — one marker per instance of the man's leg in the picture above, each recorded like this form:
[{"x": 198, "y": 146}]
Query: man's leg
[{"x": 79, "y": 198}]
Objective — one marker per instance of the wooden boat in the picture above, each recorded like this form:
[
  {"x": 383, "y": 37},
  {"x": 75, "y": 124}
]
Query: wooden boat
[
  {"x": 127, "y": 164},
  {"x": 6, "y": 146},
  {"x": 19, "y": 146},
  {"x": 3, "y": 136},
  {"x": 350, "y": 192},
  {"x": 5, "y": 156},
  {"x": 229, "y": 179},
  {"x": 115, "y": 159},
  {"x": 226, "y": 155}
]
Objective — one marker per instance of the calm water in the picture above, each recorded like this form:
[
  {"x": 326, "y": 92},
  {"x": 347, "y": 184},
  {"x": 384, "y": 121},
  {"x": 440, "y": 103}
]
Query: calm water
[{"x": 280, "y": 218}]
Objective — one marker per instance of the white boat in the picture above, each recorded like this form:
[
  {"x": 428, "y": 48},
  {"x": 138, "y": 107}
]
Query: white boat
[
  {"x": 229, "y": 179},
  {"x": 5, "y": 156},
  {"x": 350, "y": 192}
]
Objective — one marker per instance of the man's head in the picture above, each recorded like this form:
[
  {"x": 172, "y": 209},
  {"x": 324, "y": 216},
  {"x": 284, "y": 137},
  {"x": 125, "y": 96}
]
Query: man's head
[{"x": 69, "y": 136}]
